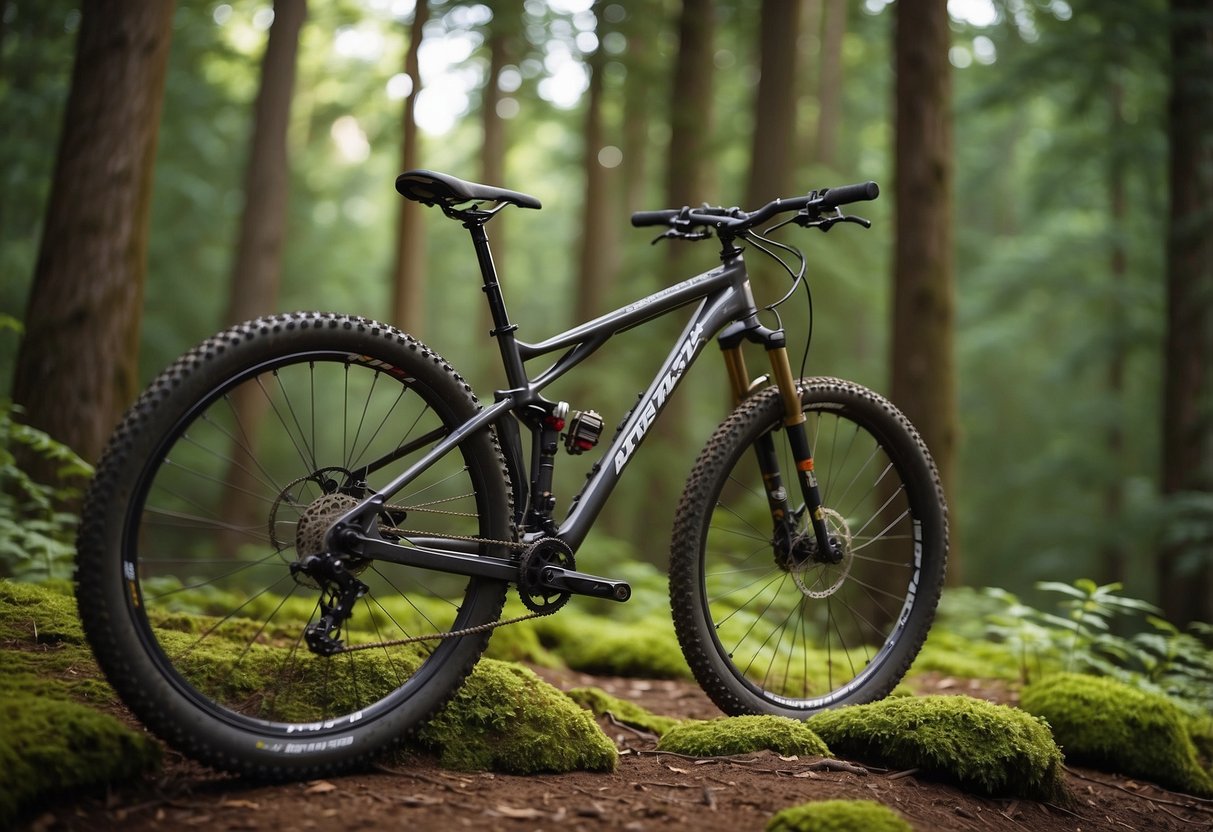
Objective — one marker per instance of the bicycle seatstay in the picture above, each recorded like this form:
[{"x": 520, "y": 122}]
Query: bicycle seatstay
[{"x": 724, "y": 296}]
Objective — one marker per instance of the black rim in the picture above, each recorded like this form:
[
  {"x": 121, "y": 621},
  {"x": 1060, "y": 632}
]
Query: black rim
[
  {"x": 373, "y": 427},
  {"x": 806, "y": 639}
]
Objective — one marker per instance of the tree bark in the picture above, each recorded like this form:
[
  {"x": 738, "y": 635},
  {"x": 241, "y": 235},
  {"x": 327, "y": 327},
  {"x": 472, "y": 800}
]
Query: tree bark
[
  {"x": 922, "y": 360},
  {"x": 771, "y": 144},
  {"x": 636, "y": 97},
  {"x": 597, "y": 243},
  {"x": 829, "y": 90},
  {"x": 408, "y": 274},
  {"x": 256, "y": 273},
  {"x": 77, "y": 365},
  {"x": 1185, "y": 573},
  {"x": 256, "y": 270}
]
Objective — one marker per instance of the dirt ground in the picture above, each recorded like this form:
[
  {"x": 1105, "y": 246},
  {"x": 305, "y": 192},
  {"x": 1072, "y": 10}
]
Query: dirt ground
[{"x": 650, "y": 791}]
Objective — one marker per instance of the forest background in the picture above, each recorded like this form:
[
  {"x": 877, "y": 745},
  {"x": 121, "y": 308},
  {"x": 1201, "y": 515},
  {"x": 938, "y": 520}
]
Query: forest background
[{"x": 1072, "y": 408}]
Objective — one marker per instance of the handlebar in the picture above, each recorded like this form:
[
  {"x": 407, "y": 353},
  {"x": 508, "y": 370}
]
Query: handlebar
[{"x": 734, "y": 220}]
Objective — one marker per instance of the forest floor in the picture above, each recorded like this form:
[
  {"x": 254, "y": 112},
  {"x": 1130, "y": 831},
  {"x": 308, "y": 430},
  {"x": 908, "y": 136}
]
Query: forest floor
[{"x": 649, "y": 791}]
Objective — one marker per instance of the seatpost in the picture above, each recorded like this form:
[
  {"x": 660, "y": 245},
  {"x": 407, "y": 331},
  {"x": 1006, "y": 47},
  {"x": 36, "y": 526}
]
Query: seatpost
[{"x": 503, "y": 330}]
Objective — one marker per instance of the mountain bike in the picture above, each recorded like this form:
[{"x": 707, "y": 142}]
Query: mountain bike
[{"x": 300, "y": 538}]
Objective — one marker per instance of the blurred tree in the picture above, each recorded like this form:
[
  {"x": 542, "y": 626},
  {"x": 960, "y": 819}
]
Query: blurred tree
[
  {"x": 596, "y": 248},
  {"x": 77, "y": 366},
  {"x": 1185, "y": 567},
  {"x": 257, "y": 270},
  {"x": 772, "y": 162},
  {"x": 408, "y": 273},
  {"x": 922, "y": 360},
  {"x": 830, "y": 83}
]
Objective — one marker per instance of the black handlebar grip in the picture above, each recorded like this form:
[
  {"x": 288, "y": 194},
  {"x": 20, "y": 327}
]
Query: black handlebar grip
[
  {"x": 643, "y": 218},
  {"x": 859, "y": 192}
]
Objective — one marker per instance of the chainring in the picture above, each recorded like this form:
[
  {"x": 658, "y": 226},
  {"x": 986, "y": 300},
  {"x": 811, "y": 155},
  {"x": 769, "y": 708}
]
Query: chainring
[{"x": 542, "y": 554}]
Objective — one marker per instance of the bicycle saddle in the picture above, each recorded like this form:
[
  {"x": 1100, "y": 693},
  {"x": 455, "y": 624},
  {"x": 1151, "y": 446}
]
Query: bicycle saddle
[{"x": 431, "y": 188}]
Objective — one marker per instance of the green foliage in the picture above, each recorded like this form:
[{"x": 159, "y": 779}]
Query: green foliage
[
  {"x": 838, "y": 816},
  {"x": 599, "y": 702},
  {"x": 742, "y": 735},
  {"x": 1083, "y": 638},
  {"x": 36, "y": 533},
  {"x": 1110, "y": 725},
  {"x": 986, "y": 748},
  {"x": 646, "y": 648},
  {"x": 505, "y": 718}
]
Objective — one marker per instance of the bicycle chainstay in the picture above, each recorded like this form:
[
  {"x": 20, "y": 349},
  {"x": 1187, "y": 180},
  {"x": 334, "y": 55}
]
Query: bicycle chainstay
[{"x": 466, "y": 631}]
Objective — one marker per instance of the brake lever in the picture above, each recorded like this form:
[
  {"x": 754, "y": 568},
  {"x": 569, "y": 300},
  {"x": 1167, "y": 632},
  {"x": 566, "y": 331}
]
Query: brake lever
[
  {"x": 812, "y": 220},
  {"x": 675, "y": 234}
]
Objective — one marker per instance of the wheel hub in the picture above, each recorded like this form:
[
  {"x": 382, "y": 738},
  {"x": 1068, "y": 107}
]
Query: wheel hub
[{"x": 818, "y": 577}]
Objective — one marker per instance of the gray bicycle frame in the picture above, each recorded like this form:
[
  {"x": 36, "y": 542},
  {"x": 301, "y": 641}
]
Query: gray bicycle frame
[{"x": 724, "y": 296}]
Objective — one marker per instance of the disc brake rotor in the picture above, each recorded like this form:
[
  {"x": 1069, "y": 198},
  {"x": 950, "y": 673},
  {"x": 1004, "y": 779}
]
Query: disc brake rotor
[{"x": 821, "y": 580}]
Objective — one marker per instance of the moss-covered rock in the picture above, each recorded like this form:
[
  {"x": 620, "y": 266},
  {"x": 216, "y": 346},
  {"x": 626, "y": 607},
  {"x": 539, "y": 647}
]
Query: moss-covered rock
[
  {"x": 838, "y": 816},
  {"x": 505, "y": 718},
  {"x": 38, "y": 613},
  {"x": 986, "y": 748},
  {"x": 600, "y": 702},
  {"x": 742, "y": 735},
  {"x": 51, "y": 745},
  {"x": 1115, "y": 727}
]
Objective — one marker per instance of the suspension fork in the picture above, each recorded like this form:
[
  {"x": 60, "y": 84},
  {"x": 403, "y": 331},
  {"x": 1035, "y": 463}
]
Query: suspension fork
[{"x": 768, "y": 461}]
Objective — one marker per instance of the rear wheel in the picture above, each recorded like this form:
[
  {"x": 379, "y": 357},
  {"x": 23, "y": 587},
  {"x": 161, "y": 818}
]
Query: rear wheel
[
  {"x": 765, "y": 633},
  {"x": 220, "y": 482}
]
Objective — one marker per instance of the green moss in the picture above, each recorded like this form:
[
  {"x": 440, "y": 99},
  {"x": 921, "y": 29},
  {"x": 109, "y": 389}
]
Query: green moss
[
  {"x": 954, "y": 655},
  {"x": 520, "y": 643},
  {"x": 505, "y": 718},
  {"x": 1110, "y": 725},
  {"x": 600, "y": 702},
  {"x": 51, "y": 745},
  {"x": 986, "y": 748},
  {"x": 743, "y": 735},
  {"x": 36, "y": 613},
  {"x": 838, "y": 816},
  {"x": 592, "y": 644}
]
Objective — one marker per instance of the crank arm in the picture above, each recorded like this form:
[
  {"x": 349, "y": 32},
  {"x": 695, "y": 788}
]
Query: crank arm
[
  {"x": 484, "y": 566},
  {"x": 579, "y": 583}
]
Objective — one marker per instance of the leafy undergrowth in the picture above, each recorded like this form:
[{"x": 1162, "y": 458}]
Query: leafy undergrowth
[{"x": 838, "y": 816}]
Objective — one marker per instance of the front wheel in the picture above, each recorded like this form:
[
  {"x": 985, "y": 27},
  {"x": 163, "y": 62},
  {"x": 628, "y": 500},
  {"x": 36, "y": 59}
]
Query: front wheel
[
  {"x": 767, "y": 633},
  {"x": 216, "y": 492}
]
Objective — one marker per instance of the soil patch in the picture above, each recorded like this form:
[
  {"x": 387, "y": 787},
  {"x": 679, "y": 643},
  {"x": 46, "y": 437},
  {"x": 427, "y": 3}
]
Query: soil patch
[{"x": 650, "y": 791}]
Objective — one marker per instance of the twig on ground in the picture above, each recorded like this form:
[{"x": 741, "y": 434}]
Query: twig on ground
[{"x": 1157, "y": 800}]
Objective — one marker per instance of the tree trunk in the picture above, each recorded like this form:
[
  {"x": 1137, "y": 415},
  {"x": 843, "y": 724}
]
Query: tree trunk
[
  {"x": 258, "y": 265},
  {"x": 597, "y": 245},
  {"x": 636, "y": 98},
  {"x": 688, "y": 157},
  {"x": 922, "y": 361},
  {"x": 771, "y": 153},
  {"x": 77, "y": 368},
  {"x": 829, "y": 90},
  {"x": 1185, "y": 573},
  {"x": 408, "y": 274},
  {"x": 1114, "y": 556}
]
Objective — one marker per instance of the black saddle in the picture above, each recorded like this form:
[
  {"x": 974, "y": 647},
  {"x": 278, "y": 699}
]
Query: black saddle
[{"x": 432, "y": 188}]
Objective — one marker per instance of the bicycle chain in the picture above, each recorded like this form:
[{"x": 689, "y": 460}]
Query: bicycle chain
[{"x": 465, "y": 631}]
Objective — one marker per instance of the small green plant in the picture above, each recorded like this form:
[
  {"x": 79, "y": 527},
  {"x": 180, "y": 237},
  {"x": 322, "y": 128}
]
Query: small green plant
[
  {"x": 838, "y": 816},
  {"x": 1083, "y": 638},
  {"x": 36, "y": 533}
]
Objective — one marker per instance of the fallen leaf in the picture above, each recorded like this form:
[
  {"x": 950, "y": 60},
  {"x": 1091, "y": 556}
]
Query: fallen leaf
[
  {"x": 239, "y": 804},
  {"x": 791, "y": 759},
  {"x": 320, "y": 787},
  {"x": 677, "y": 770}
]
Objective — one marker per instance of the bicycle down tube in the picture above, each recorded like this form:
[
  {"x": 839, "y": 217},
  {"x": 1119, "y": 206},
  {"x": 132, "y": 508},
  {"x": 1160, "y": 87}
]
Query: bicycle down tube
[{"x": 724, "y": 296}]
